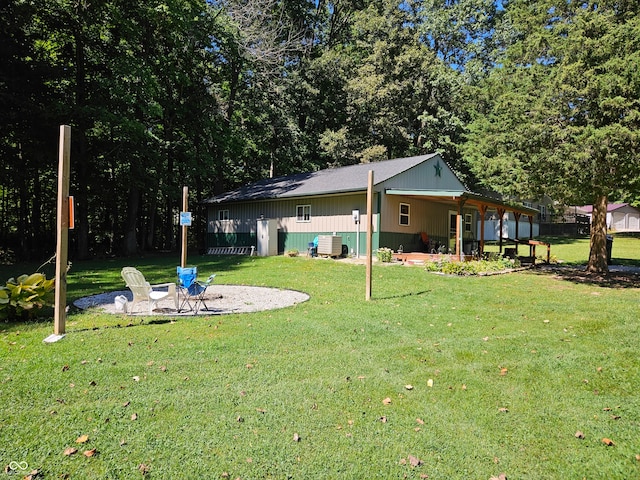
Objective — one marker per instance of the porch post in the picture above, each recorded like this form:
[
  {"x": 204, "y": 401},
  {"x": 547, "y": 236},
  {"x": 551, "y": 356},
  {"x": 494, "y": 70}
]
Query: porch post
[
  {"x": 501, "y": 215},
  {"x": 517, "y": 216},
  {"x": 531, "y": 254},
  {"x": 483, "y": 212},
  {"x": 459, "y": 230}
]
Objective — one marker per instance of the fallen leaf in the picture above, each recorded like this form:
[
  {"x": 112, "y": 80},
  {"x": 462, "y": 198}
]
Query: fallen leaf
[
  {"x": 136, "y": 378},
  {"x": 420, "y": 421},
  {"x": 414, "y": 462},
  {"x": 430, "y": 382},
  {"x": 503, "y": 371},
  {"x": 615, "y": 417},
  {"x": 33, "y": 474},
  {"x": 386, "y": 401},
  {"x": 638, "y": 457},
  {"x": 134, "y": 416},
  {"x": 409, "y": 387},
  {"x": 579, "y": 435},
  {"x": 503, "y": 409},
  {"x": 464, "y": 387},
  {"x": 92, "y": 383},
  {"x": 261, "y": 410},
  {"x": 70, "y": 451},
  {"x": 144, "y": 469},
  {"x": 90, "y": 453},
  {"x": 123, "y": 442},
  {"x": 82, "y": 439},
  {"x": 383, "y": 419},
  {"x": 296, "y": 437},
  {"x": 163, "y": 368},
  {"x": 502, "y": 476},
  {"x": 126, "y": 404},
  {"x": 65, "y": 368},
  {"x": 608, "y": 442}
]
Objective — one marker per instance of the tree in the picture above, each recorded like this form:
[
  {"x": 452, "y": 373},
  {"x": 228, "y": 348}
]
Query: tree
[{"x": 560, "y": 113}]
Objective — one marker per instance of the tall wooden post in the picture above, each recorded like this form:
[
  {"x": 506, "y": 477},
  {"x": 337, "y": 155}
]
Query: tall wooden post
[
  {"x": 185, "y": 202},
  {"x": 62, "y": 230},
  {"x": 369, "y": 234}
]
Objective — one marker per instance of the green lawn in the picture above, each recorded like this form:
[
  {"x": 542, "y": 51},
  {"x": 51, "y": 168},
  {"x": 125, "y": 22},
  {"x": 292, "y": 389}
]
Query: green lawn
[{"x": 520, "y": 363}]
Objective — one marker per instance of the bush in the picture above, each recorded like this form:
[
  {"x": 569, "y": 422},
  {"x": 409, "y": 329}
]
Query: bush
[
  {"x": 22, "y": 296},
  {"x": 384, "y": 254},
  {"x": 476, "y": 267}
]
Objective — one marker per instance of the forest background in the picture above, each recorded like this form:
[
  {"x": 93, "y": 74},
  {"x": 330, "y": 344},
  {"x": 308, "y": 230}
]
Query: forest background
[{"x": 524, "y": 97}]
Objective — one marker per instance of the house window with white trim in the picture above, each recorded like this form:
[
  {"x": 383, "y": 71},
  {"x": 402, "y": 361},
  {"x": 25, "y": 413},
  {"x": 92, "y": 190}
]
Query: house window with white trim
[
  {"x": 467, "y": 222},
  {"x": 223, "y": 215},
  {"x": 404, "y": 214},
  {"x": 303, "y": 213}
]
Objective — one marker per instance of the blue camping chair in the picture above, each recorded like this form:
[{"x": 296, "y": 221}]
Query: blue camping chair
[{"x": 191, "y": 291}]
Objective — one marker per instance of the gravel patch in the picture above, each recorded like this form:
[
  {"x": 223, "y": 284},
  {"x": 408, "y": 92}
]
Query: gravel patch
[{"x": 221, "y": 299}]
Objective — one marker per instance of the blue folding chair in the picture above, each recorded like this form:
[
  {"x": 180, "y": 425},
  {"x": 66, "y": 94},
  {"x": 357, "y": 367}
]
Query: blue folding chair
[{"x": 191, "y": 291}]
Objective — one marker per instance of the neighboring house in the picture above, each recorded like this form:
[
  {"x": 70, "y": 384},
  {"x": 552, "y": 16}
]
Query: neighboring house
[
  {"x": 410, "y": 196},
  {"x": 621, "y": 217}
]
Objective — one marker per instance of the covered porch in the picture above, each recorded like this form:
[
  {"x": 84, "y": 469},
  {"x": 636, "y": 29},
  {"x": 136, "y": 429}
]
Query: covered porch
[{"x": 462, "y": 248}]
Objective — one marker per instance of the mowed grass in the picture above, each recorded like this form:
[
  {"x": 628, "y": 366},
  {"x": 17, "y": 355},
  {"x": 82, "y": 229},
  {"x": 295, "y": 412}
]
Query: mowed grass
[{"x": 520, "y": 363}]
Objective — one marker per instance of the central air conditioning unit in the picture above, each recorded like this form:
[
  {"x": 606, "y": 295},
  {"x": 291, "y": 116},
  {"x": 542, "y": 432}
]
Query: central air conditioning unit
[{"x": 330, "y": 245}]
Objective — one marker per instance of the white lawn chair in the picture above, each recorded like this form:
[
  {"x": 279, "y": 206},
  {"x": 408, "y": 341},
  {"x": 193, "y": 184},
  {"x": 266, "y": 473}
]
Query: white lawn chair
[{"x": 143, "y": 291}]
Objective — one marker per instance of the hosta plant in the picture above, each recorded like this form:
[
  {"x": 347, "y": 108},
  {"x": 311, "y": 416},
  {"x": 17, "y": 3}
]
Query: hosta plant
[{"x": 21, "y": 296}]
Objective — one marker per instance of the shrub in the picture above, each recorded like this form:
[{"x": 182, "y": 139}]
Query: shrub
[
  {"x": 475, "y": 267},
  {"x": 384, "y": 254},
  {"x": 20, "y": 297}
]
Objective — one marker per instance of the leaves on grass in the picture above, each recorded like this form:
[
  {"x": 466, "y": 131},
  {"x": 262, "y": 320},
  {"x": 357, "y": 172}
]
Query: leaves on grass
[
  {"x": 420, "y": 421},
  {"x": 82, "y": 439},
  {"x": 296, "y": 437},
  {"x": 409, "y": 387},
  {"x": 608, "y": 442},
  {"x": 136, "y": 378},
  {"x": 90, "y": 453},
  {"x": 503, "y": 371},
  {"x": 430, "y": 383},
  {"x": 503, "y": 409},
  {"x": 144, "y": 469},
  {"x": 65, "y": 368},
  {"x": 134, "y": 416},
  {"x": 411, "y": 460},
  {"x": 502, "y": 476},
  {"x": 383, "y": 419},
  {"x": 386, "y": 401},
  {"x": 69, "y": 451},
  {"x": 579, "y": 435}
]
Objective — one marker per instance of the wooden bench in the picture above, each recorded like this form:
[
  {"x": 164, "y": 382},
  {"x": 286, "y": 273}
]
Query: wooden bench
[{"x": 232, "y": 251}]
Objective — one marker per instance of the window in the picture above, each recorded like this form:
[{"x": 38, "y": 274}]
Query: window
[
  {"x": 303, "y": 213},
  {"x": 223, "y": 214},
  {"x": 404, "y": 213},
  {"x": 467, "y": 222}
]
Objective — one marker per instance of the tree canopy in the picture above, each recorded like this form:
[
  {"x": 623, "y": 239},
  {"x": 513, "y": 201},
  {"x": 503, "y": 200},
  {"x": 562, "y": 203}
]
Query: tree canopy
[{"x": 523, "y": 97}]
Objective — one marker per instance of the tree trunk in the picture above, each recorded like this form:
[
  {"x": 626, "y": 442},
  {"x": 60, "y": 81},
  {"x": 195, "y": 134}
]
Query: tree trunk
[
  {"x": 598, "y": 252},
  {"x": 131, "y": 231}
]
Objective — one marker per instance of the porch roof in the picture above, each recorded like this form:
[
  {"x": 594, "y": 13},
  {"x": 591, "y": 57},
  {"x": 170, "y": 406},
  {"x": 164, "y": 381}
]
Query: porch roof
[{"x": 465, "y": 196}]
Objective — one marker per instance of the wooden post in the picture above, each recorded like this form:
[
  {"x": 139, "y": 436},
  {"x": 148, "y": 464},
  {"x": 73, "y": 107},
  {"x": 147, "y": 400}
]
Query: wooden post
[
  {"x": 483, "y": 213},
  {"x": 185, "y": 206},
  {"x": 62, "y": 231},
  {"x": 369, "y": 234},
  {"x": 517, "y": 216},
  {"x": 501, "y": 212}
]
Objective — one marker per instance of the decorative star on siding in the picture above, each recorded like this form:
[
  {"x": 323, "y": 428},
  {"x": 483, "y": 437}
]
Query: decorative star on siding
[{"x": 438, "y": 168}]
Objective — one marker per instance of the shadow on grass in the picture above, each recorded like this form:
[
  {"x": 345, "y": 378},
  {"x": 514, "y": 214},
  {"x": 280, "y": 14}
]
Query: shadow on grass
[
  {"x": 404, "y": 295},
  {"x": 579, "y": 275}
]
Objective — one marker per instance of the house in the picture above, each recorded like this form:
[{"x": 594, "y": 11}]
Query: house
[
  {"x": 621, "y": 217},
  {"x": 419, "y": 204}
]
